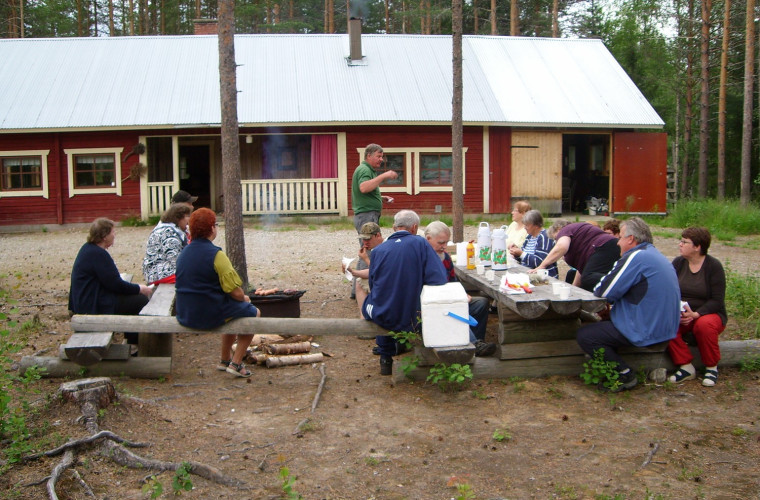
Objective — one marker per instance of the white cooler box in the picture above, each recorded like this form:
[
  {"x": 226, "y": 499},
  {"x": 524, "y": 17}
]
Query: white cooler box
[{"x": 438, "y": 328}]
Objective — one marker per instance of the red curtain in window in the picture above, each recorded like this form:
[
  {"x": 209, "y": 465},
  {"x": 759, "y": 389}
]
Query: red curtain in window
[{"x": 324, "y": 156}]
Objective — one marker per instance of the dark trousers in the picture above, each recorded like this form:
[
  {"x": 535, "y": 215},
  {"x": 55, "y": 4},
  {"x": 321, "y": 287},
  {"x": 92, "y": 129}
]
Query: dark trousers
[
  {"x": 131, "y": 305},
  {"x": 479, "y": 307},
  {"x": 603, "y": 335},
  {"x": 599, "y": 264}
]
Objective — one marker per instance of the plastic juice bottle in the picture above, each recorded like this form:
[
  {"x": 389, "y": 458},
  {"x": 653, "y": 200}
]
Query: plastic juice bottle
[{"x": 470, "y": 255}]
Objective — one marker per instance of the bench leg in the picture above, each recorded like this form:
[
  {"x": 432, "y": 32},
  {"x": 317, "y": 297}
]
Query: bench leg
[{"x": 155, "y": 345}]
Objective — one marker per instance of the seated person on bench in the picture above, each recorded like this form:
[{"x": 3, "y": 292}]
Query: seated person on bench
[
  {"x": 536, "y": 246},
  {"x": 646, "y": 301},
  {"x": 165, "y": 243},
  {"x": 209, "y": 293},
  {"x": 96, "y": 286}
]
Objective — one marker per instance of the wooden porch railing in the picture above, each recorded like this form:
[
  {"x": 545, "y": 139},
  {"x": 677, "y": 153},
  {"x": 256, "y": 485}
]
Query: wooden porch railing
[
  {"x": 293, "y": 196},
  {"x": 260, "y": 197}
]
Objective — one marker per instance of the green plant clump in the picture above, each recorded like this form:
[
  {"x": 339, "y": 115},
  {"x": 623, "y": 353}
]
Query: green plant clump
[
  {"x": 600, "y": 371},
  {"x": 288, "y": 482},
  {"x": 751, "y": 364},
  {"x": 452, "y": 377},
  {"x": 182, "y": 481}
]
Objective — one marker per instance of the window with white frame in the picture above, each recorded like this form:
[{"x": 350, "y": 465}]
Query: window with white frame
[
  {"x": 94, "y": 170},
  {"x": 24, "y": 173},
  {"x": 418, "y": 169}
]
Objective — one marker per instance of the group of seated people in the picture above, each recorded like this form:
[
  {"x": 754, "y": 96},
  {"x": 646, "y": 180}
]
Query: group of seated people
[
  {"x": 180, "y": 250},
  {"x": 651, "y": 299}
]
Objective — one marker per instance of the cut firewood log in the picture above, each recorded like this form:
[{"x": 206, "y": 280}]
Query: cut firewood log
[
  {"x": 294, "y": 359},
  {"x": 297, "y": 348}
]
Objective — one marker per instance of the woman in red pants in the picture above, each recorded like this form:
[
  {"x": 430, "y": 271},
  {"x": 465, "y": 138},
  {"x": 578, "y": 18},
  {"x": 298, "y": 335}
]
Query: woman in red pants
[{"x": 703, "y": 289}]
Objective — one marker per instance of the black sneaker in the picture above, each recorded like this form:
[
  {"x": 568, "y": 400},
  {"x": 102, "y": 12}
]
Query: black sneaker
[
  {"x": 483, "y": 349},
  {"x": 386, "y": 365},
  {"x": 626, "y": 381}
]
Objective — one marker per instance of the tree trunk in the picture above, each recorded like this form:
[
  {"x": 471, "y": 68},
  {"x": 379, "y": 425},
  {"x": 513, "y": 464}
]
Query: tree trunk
[
  {"x": 704, "y": 101},
  {"x": 131, "y": 18},
  {"x": 232, "y": 190},
  {"x": 494, "y": 31},
  {"x": 514, "y": 18},
  {"x": 555, "y": 19},
  {"x": 475, "y": 15},
  {"x": 722, "y": 102},
  {"x": 689, "y": 98},
  {"x": 749, "y": 75},
  {"x": 457, "y": 197},
  {"x": 387, "y": 17}
]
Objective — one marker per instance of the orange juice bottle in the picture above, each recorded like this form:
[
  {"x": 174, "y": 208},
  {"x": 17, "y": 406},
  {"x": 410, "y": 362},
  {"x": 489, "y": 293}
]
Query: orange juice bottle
[{"x": 470, "y": 255}]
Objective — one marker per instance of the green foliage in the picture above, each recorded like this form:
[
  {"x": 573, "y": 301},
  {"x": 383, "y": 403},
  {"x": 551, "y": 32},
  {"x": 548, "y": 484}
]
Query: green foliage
[
  {"x": 14, "y": 390},
  {"x": 725, "y": 219},
  {"x": 743, "y": 302},
  {"x": 464, "y": 492},
  {"x": 751, "y": 364},
  {"x": 133, "y": 221},
  {"x": 452, "y": 377},
  {"x": 600, "y": 371},
  {"x": 153, "y": 487},
  {"x": 501, "y": 435},
  {"x": 181, "y": 481},
  {"x": 738, "y": 432},
  {"x": 406, "y": 339},
  {"x": 287, "y": 484},
  {"x": 408, "y": 364}
]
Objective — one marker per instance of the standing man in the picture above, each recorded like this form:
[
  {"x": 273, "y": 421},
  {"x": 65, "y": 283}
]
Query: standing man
[
  {"x": 646, "y": 301},
  {"x": 366, "y": 200},
  {"x": 399, "y": 268}
]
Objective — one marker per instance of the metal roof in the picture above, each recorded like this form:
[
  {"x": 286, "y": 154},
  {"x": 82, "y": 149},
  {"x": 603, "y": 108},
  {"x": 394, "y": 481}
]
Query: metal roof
[{"x": 173, "y": 81}]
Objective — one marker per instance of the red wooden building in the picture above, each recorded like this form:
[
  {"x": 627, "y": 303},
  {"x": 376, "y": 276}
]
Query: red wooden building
[{"x": 113, "y": 126}]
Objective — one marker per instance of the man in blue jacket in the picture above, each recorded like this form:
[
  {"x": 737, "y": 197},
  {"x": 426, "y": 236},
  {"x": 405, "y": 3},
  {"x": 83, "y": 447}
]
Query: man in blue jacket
[
  {"x": 400, "y": 266},
  {"x": 643, "y": 290}
]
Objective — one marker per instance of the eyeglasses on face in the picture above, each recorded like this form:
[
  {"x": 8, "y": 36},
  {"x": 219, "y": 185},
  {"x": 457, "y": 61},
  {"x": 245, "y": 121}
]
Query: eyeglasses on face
[{"x": 685, "y": 242}]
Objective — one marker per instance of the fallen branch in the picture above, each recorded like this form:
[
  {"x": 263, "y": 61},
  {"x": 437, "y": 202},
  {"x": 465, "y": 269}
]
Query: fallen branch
[
  {"x": 650, "y": 455},
  {"x": 295, "y": 359},
  {"x": 319, "y": 388},
  {"x": 300, "y": 425},
  {"x": 589, "y": 451}
]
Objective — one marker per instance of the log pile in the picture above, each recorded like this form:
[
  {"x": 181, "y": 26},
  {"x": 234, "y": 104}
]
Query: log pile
[{"x": 273, "y": 351}]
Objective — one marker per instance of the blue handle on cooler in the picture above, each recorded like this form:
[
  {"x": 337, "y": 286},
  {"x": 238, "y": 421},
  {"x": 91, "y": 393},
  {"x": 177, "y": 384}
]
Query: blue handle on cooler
[{"x": 472, "y": 321}]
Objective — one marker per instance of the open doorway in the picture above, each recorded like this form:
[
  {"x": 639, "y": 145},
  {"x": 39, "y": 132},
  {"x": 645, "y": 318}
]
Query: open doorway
[
  {"x": 585, "y": 170},
  {"x": 195, "y": 172}
]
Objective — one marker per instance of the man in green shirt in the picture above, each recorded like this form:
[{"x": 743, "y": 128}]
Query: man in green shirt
[{"x": 366, "y": 200}]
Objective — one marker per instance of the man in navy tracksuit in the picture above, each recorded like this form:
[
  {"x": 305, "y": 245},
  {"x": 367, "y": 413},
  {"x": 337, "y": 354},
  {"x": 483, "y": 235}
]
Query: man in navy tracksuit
[
  {"x": 400, "y": 266},
  {"x": 646, "y": 301}
]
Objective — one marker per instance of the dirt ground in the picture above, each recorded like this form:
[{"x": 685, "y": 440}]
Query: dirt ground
[{"x": 367, "y": 438}]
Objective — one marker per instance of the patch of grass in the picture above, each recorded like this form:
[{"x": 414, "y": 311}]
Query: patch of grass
[
  {"x": 751, "y": 364},
  {"x": 567, "y": 492},
  {"x": 690, "y": 475},
  {"x": 738, "y": 432},
  {"x": 501, "y": 435},
  {"x": 724, "y": 219},
  {"x": 743, "y": 302},
  {"x": 518, "y": 384},
  {"x": 134, "y": 221}
]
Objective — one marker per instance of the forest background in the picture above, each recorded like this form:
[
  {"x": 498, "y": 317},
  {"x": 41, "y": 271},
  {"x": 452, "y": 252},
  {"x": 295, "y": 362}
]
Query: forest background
[{"x": 687, "y": 57}]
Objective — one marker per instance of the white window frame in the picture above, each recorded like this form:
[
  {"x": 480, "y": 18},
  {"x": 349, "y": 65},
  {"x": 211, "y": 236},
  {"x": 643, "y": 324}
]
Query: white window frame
[
  {"x": 43, "y": 190},
  {"x": 419, "y": 188},
  {"x": 114, "y": 189},
  {"x": 407, "y": 170}
]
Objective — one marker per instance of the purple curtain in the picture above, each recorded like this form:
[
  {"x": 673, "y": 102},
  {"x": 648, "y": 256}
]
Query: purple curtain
[{"x": 324, "y": 156}]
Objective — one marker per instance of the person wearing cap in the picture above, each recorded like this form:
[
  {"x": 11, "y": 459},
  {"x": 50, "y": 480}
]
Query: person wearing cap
[
  {"x": 366, "y": 200},
  {"x": 371, "y": 237},
  {"x": 184, "y": 197}
]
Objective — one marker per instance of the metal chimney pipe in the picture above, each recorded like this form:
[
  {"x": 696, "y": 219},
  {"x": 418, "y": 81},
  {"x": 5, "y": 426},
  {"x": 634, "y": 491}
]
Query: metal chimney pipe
[{"x": 355, "y": 38}]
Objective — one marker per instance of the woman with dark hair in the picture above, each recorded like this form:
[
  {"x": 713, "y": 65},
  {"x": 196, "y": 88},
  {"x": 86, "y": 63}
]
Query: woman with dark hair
[
  {"x": 209, "y": 293},
  {"x": 96, "y": 285},
  {"x": 703, "y": 290},
  {"x": 165, "y": 243}
]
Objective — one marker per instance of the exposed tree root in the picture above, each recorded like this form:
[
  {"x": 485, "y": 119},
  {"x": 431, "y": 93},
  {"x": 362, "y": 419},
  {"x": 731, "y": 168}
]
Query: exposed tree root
[{"x": 91, "y": 395}]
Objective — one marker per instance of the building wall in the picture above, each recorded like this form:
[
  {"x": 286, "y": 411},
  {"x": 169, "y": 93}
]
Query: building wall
[
  {"x": 411, "y": 138},
  {"x": 59, "y": 207}
]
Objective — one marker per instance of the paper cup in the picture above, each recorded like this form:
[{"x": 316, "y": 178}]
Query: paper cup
[
  {"x": 480, "y": 268},
  {"x": 556, "y": 285},
  {"x": 490, "y": 275},
  {"x": 564, "y": 292}
]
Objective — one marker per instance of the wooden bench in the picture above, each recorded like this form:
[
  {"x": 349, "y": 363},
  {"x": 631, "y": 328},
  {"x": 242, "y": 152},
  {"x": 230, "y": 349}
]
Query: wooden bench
[{"x": 161, "y": 304}]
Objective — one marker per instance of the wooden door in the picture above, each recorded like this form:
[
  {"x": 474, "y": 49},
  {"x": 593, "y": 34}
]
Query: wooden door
[{"x": 639, "y": 172}]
